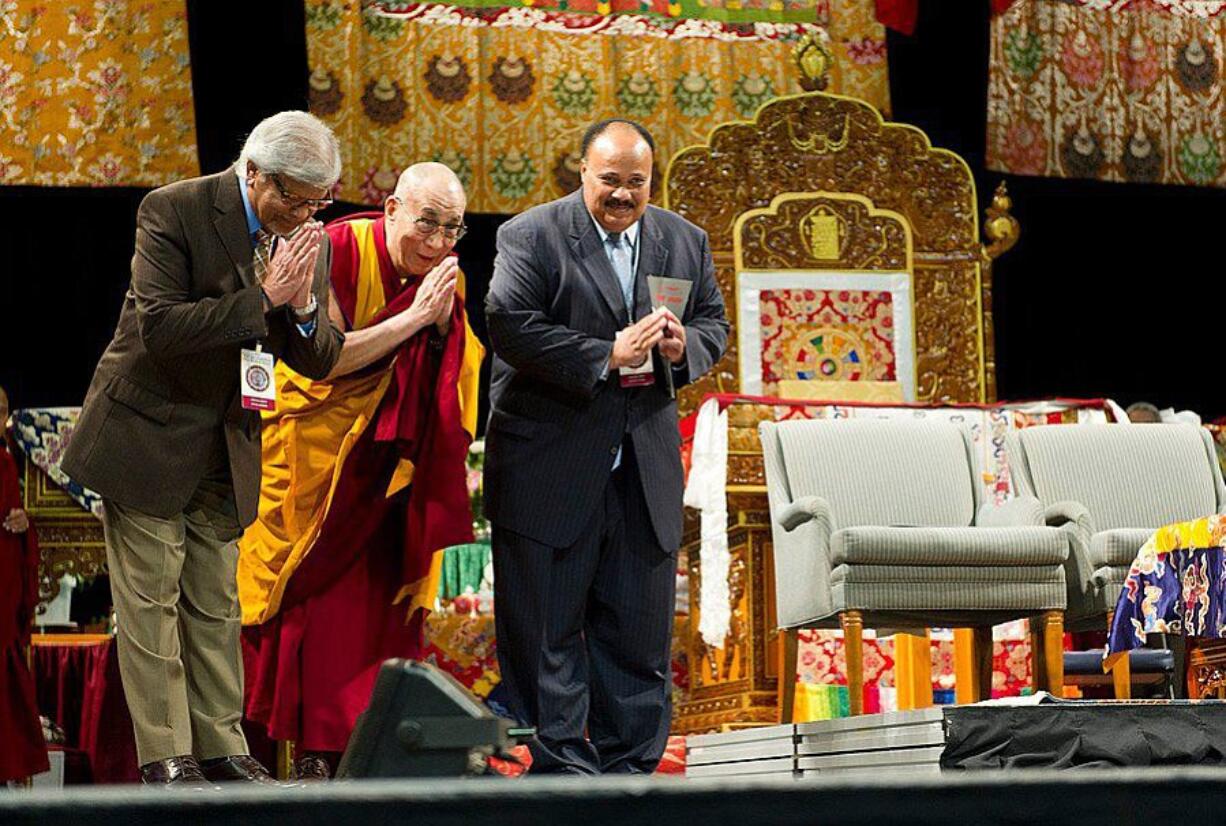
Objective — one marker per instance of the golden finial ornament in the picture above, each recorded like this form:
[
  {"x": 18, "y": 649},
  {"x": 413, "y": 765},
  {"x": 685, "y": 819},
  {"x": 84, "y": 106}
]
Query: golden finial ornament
[
  {"x": 814, "y": 58},
  {"x": 1001, "y": 228}
]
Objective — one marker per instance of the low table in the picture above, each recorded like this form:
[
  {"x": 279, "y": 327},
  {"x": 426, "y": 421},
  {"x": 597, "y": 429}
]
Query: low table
[{"x": 1177, "y": 585}]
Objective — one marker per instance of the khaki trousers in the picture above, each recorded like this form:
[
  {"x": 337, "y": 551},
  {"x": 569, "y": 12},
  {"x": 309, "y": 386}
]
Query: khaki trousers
[{"x": 174, "y": 587}]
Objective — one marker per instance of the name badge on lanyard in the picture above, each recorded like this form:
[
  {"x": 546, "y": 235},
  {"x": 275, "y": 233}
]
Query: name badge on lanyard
[
  {"x": 640, "y": 376},
  {"x": 257, "y": 388}
]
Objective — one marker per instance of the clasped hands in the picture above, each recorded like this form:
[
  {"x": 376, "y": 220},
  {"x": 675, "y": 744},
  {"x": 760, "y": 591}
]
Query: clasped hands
[
  {"x": 17, "y": 521},
  {"x": 633, "y": 345},
  {"x": 291, "y": 271},
  {"x": 432, "y": 304}
]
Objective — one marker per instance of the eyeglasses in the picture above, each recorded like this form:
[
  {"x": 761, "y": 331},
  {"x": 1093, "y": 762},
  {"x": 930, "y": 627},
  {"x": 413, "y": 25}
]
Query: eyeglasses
[
  {"x": 428, "y": 226},
  {"x": 293, "y": 201}
]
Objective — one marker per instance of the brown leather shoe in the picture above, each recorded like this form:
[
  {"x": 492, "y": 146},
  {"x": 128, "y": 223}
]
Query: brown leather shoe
[
  {"x": 312, "y": 768},
  {"x": 182, "y": 770},
  {"x": 237, "y": 767}
]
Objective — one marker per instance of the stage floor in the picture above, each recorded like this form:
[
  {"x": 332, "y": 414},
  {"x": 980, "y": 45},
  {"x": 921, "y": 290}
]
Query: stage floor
[{"x": 1081, "y": 798}]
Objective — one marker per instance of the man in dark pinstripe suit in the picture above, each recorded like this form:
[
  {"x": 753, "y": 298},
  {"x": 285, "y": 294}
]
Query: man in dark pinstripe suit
[{"x": 583, "y": 475}]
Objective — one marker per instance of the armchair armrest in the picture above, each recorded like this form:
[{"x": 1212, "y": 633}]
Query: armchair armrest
[
  {"x": 801, "y": 535},
  {"x": 1058, "y": 514},
  {"x": 1018, "y": 511},
  {"x": 805, "y": 509}
]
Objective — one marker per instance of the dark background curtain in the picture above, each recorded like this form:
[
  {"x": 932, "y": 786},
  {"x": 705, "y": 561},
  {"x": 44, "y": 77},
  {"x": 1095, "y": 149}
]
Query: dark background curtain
[{"x": 1112, "y": 291}]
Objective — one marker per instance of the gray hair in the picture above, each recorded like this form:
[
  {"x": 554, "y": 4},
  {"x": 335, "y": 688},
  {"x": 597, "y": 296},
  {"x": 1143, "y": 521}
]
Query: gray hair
[{"x": 297, "y": 145}]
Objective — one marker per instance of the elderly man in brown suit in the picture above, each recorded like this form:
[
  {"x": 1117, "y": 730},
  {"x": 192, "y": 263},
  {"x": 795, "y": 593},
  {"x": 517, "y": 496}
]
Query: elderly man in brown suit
[{"x": 223, "y": 263}]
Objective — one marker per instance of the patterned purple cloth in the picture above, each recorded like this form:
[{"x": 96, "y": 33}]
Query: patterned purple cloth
[{"x": 1176, "y": 585}]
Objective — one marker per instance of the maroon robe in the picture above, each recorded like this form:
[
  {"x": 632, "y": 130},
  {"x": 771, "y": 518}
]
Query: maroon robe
[
  {"x": 23, "y": 751},
  {"x": 311, "y": 668}
]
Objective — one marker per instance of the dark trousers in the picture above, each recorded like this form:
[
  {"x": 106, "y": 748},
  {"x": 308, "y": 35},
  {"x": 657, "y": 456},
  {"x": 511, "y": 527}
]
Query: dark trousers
[{"x": 584, "y": 634}]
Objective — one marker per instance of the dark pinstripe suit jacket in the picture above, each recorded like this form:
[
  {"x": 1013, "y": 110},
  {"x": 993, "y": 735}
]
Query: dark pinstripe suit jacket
[{"x": 553, "y": 309}]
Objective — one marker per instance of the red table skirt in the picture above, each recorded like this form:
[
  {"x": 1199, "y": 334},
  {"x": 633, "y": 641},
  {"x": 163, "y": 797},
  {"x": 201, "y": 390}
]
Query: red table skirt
[{"x": 78, "y": 687}]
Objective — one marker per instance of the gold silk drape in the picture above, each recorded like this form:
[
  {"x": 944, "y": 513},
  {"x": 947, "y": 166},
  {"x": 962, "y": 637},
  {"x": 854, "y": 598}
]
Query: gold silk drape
[
  {"x": 1133, "y": 92},
  {"x": 95, "y": 93},
  {"x": 503, "y": 95}
]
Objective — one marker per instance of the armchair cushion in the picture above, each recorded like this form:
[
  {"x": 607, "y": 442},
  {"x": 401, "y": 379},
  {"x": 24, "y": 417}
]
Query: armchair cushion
[
  {"x": 1117, "y": 547},
  {"x": 1020, "y": 510},
  {"x": 871, "y": 545},
  {"x": 927, "y": 575}
]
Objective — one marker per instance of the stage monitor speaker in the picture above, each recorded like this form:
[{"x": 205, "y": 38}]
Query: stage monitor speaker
[{"x": 422, "y": 722}]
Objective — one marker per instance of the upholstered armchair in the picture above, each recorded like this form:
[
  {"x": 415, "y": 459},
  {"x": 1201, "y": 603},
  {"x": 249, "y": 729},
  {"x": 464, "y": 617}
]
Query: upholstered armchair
[
  {"x": 1108, "y": 487},
  {"x": 880, "y": 524}
]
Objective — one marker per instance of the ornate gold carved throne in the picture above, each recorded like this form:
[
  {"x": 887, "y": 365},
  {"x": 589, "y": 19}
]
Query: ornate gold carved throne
[
  {"x": 819, "y": 184},
  {"x": 69, "y": 538}
]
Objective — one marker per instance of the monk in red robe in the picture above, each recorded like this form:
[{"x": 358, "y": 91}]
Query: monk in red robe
[
  {"x": 23, "y": 751},
  {"x": 363, "y": 475}
]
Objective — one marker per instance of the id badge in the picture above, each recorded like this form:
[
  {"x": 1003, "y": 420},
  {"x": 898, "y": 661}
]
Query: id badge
[
  {"x": 640, "y": 376},
  {"x": 257, "y": 388}
]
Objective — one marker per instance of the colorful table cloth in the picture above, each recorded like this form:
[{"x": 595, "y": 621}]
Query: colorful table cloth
[{"x": 1176, "y": 585}]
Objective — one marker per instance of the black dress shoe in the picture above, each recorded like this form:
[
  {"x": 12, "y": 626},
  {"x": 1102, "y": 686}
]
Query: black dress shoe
[
  {"x": 175, "y": 771},
  {"x": 237, "y": 767},
  {"x": 312, "y": 768}
]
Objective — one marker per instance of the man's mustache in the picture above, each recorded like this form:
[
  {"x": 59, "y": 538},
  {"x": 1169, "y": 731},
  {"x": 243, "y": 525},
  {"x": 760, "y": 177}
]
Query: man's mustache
[{"x": 615, "y": 203}]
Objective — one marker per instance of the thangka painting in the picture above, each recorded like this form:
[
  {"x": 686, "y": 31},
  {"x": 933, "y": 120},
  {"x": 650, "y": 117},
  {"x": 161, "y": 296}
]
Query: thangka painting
[{"x": 825, "y": 326}]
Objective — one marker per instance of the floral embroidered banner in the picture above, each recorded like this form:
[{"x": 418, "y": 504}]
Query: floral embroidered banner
[
  {"x": 95, "y": 93},
  {"x": 1110, "y": 90},
  {"x": 727, "y": 11},
  {"x": 503, "y": 95}
]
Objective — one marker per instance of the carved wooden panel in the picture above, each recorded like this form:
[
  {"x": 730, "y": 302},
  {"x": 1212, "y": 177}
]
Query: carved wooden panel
[
  {"x": 69, "y": 537},
  {"x": 815, "y": 231},
  {"x": 825, "y": 143}
]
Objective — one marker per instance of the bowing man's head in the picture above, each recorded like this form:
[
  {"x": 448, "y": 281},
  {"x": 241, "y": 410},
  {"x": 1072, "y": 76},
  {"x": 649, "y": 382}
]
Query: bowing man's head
[
  {"x": 424, "y": 218},
  {"x": 616, "y": 172},
  {"x": 290, "y": 162}
]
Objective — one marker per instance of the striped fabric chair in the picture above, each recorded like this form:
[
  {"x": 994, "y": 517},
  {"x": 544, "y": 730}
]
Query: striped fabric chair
[
  {"x": 1108, "y": 487},
  {"x": 879, "y": 523}
]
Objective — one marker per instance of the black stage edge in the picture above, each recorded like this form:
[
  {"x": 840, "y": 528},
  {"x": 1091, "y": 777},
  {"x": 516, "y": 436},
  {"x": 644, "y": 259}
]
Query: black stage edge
[{"x": 1080, "y": 798}]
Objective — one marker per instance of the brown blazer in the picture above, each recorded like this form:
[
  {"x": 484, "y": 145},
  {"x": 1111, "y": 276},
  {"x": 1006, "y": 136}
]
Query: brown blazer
[{"x": 163, "y": 407}]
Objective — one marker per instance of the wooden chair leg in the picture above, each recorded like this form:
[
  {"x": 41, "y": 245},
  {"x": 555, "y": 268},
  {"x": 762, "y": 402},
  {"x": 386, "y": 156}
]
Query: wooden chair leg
[
  {"x": 853, "y": 651},
  {"x": 789, "y": 641},
  {"x": 1121, "y": 672},
  {"x": 913, "y": 670},
  {"x": 1053, "y": 651},
  {"x": 904, "y": 664},
  {"x": 964, "y": 666},
  {"x": 1038, "y": 663},
  {"x": 982, "y": 672},
  {"x": 923, "y": 671}
]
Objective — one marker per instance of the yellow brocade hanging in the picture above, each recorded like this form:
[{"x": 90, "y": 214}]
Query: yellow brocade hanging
[
  {"x": 502, "y": 96},
  {"x": 95, "y": 93}
]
